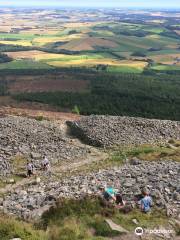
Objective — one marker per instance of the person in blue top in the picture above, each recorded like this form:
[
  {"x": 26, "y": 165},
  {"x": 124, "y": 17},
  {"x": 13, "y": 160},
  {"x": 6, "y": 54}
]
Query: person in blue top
[
  {"x": 146, "y": 202},
  {"x": 108, "y": 193}
]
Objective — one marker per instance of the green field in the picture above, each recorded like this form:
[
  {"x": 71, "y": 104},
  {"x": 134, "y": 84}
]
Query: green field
[
  {"x": 108, "y": 40},
  {"x": 25, "y": 64},
  {"x": 125, "y": 69},
  {"x": 165, "y": 68}
]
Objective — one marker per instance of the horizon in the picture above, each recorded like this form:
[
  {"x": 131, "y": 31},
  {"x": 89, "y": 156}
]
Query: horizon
[{"x": 122, "y": 4}]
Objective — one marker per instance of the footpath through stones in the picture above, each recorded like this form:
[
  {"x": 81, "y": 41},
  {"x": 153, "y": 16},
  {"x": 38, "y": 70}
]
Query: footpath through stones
[
  {"x": 162, "y": 179},
  {"x": 29, "y": 199},
  {"x": 32, "y": 139}
]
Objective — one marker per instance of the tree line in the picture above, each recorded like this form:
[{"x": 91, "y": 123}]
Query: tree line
[{"x": 120, "y": 94}]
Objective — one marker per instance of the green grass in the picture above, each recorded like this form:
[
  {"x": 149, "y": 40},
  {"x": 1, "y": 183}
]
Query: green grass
[
  {"x": 11, "y": 228},
  {"x": 161, "y": 67},
  {"x": 85, "y": 219},
  {"x": 66, "y": 58},
  {"x": 145, "y": 152},
  {"x": 133, "y": 43},
  {"x": 24, "y": 64},
  {"x": 76, "y": 219},
  {"x": 163, "y": 52},
  {"x": 153, "y": 29},
  {"x": 156, "y": 218},
  {"x": 118, "y": 155},
  {"x": 21, "y": 36},
  {"x": 124, "y": 69}
]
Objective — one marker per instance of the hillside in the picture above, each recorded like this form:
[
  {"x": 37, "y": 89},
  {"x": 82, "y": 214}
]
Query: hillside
[
  {"x": 146, "y": 154},
  {"x": 96, "y": 92}
]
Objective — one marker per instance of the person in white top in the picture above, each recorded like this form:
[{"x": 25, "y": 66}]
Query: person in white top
[
  {"x": 30, "y": 168},
  {"x": 45, "y": 163}
]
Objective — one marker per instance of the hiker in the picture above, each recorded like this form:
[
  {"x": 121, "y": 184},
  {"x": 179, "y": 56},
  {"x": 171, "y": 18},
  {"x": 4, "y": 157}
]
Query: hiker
[
  {"x": 146, "y": 201},
  {"x": 45, "y": 163},
  {"x": 120, "y": 203},
  {"x": 111, "y": 195},
  {"x": 108, "y": 193},
  {"x": 30, "y": 168}
]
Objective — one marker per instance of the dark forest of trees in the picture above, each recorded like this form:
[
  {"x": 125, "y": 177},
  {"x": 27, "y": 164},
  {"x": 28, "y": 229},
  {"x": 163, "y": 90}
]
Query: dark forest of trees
[{"x": 120, "y": 94}]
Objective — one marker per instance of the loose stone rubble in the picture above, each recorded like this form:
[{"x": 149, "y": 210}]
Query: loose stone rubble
[
  {"x": 5, "y": 167},
  {"x": 162, "y": 178},
  {"x": 112, "y": 130},
  {"x": 33, "y": 139}
]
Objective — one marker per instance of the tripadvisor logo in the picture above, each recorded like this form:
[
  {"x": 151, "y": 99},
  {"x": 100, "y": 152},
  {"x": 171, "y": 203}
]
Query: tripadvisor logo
[{"x": 139, "y": 231}]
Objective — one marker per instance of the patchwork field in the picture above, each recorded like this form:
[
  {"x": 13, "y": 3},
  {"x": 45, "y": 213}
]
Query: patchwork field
[
  {"x": 24, "y": 64},
  {"x": 92, "y": 61},
  {"x": 89, "y": 43},
  {"x": 112, "y": 65},
  {"x": 72, "y": 38}
]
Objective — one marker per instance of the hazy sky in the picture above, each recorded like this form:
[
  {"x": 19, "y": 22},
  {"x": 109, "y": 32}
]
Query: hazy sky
[{"x": 95, "y": 3}]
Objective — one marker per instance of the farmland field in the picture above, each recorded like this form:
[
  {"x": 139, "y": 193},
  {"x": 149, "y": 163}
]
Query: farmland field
[
  {"x": 89, "y": 40},
  {"x": 103, "y": 62}
]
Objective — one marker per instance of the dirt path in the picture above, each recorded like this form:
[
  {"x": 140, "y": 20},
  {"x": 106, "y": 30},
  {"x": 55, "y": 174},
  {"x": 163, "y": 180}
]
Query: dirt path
[{"x": 94, "y": 154}]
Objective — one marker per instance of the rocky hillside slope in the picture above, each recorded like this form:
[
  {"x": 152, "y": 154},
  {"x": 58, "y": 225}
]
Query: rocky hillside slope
[
  {"x": 32, "y": 139},
  {"x": 112, "y": 130},
  {"x": 30, "y": 201}
]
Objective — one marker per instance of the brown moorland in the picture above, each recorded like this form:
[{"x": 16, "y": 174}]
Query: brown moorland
[{"x": 88, "y": 43}]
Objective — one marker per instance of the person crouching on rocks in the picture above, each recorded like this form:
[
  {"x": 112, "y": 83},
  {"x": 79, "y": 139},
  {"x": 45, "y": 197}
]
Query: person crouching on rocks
[
  {"x": 108, "y": 193},
  {"x": 112, "y": 196},
  {"x": 146, "y": 201},
  {"x": 30, "y": 168}
]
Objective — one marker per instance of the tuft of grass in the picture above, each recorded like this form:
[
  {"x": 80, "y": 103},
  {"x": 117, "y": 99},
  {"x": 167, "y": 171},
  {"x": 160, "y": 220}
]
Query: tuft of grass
[
  {"x": 76, "y": 110},
  {"x": 102, "y": 228},
  {"x": 156, "y": 218},
  {"x": 39, "y": 118},
  {"x": 65, "y": 207},
  {"x": 145, "y": 152},
  {"x": 85, "y": 219},
  {"x": 11, "y": 228},
  {"x": 71, "y": 228},
  {"x": 19, "y": 163},
  {"x": 77, "y": 220},
  {"x": 119, "y": 155},
  {"x": 176, "y": 143}
]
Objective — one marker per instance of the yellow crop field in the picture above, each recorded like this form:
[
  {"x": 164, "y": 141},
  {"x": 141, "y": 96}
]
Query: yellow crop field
[
  {"x": 40, "y": 55},
  {"x": 25, "y": 43},
  {"x": 24, "y": 54},
  {"x": 92, "y": 62},
  {"x": 79, "y": 24},
  {"x": 34, "y": 55},
  {"x": 40, "y": 31},
  {"x": 40, "y": 41}
]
